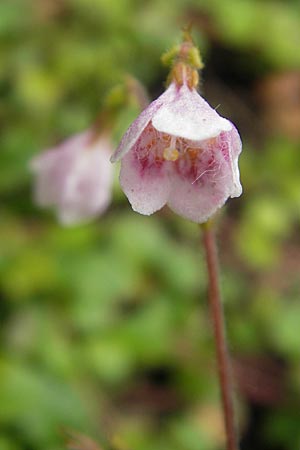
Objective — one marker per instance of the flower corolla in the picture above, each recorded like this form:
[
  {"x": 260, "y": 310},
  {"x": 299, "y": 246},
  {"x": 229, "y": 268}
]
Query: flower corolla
[
  {"x": 182, "y": 153},
  {"x": 75, "y": 177}
]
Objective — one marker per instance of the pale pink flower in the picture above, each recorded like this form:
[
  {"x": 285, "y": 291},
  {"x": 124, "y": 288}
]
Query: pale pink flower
[
  {"x": 75, "y": 177},
  {"x": 182, "y": 153}
]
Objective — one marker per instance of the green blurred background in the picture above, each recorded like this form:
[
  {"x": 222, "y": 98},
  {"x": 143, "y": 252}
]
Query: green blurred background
[{"x": 104, "y": 327}]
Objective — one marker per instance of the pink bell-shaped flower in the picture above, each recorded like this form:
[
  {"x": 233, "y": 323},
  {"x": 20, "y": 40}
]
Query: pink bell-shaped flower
[
  {"x": 180, "y": 151},
  {"x": 75, "y": 177}
]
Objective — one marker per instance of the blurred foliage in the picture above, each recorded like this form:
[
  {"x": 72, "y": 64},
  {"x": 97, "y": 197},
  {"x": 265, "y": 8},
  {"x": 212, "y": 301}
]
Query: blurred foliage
[{"x": 104, "y": 327}]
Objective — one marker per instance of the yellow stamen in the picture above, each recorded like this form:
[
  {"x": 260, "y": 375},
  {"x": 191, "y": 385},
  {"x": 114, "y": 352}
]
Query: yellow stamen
[{"x": 170, "y": 154}]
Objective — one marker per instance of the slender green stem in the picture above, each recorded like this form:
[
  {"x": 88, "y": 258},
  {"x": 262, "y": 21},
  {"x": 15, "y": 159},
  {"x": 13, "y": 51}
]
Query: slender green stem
[{"x": 217, "y": 314}]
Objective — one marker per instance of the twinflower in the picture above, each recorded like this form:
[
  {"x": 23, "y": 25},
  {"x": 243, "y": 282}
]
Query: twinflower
[
  {"x": 75, "y": 177},
  {"x": 180, "y": 151}
]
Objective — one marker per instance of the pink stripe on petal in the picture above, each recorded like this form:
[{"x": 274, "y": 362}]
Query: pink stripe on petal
[
  {"x": 145, "y": 183},
  {"x": 203, "y": 179}
]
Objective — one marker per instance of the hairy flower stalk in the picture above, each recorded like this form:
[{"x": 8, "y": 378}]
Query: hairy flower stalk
[
  {"x": 182, "y": 153},
  {"x": 217, "y": 315}
]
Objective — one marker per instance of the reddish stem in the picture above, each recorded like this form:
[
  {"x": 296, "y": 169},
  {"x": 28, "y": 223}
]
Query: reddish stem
[{"x": 223, "y": 358}]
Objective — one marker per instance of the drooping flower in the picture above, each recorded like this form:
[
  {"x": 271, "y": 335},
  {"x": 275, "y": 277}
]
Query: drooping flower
[
  {"x": 75, "y": 177},
  {"x": 180, "y": 151}
]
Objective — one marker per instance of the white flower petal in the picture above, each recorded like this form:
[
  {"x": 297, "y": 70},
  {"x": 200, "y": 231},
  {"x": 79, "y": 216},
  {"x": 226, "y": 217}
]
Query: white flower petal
[
  {"x": 138, "y": 126},
  {"x": 186, "y": 114},
  {"x": 52, "y": 166},
  {"x": 75, "y": 177},
  {"x": 235, "y": 150},
  {"x": 87, "y": 191},
  {"x": 195, "y": 203}
]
